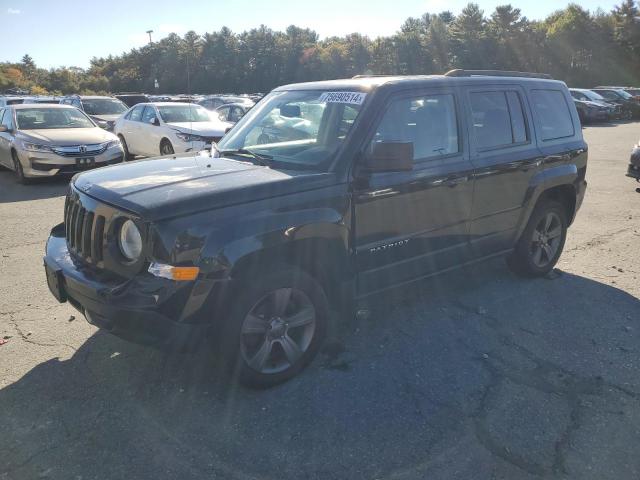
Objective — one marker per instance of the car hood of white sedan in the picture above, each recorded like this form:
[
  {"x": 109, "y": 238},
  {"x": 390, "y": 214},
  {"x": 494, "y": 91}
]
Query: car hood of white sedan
[{"x": 206, "y": 129}]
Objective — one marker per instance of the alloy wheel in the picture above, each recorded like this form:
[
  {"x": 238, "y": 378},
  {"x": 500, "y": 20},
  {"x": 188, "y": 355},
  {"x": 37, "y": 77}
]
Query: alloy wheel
[
  {"x": 547, "y": 238},
  {"x": 166, "y": 148},
  {"x": 277, "y": 331}
]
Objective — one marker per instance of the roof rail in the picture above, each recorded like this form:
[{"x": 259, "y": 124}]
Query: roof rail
[
  {"x": 372, "y": 75},
  {"x": 458, "y": 72}
]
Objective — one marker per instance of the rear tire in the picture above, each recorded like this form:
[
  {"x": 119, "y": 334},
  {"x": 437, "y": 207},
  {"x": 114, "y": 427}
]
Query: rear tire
[
  {"x": 17, "y": 167},
  {"x": 166, "y": 148},
  {"x": 542, "y": 241},
  {"x": 127, "y": 155},
  {"x": 276, "y": 327}
]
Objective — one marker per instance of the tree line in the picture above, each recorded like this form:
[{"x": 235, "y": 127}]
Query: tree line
[{"x": 580, "y": 47}]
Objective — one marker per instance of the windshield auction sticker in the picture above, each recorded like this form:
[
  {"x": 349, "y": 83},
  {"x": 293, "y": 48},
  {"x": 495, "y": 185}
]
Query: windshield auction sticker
[{"x": 353, "y": 98}]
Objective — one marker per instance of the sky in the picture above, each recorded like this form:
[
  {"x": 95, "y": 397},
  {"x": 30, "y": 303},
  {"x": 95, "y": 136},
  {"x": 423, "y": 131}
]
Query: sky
[{"x": 70, "y": 32}]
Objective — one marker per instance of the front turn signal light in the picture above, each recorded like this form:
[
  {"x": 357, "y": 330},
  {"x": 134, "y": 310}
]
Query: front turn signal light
[{"x": 174, "y": 273}]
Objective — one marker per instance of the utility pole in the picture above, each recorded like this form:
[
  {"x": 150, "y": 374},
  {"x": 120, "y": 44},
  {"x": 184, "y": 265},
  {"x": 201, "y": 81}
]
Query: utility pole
[{"x": 149, "y": 32}]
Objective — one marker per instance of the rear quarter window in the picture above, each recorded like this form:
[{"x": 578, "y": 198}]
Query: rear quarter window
[{"x": 553, "y": 113}]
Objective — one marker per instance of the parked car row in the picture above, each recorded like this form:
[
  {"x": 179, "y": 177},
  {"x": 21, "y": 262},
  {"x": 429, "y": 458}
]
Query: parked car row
[
  {"x": 152, "y": 125},
  {"x": 602, "y": 104}
]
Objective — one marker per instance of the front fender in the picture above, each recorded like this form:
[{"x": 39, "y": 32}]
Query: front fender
[
  {"x": 218, "y": 241},
  {"x": 303, "y": 238}
]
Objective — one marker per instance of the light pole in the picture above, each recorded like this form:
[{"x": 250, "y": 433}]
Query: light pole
[{"x": 149, "y": 32}]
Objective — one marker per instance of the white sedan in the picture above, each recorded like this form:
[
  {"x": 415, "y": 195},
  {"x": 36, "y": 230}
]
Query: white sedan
[{"x": 164, "y": 128}]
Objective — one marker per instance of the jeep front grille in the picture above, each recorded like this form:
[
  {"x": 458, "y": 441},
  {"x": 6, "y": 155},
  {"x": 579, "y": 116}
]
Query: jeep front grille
[{"x": 84, "y": 230}]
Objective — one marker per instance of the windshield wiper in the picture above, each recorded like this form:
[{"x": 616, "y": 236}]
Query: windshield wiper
[{"x": 260, "y": 159}]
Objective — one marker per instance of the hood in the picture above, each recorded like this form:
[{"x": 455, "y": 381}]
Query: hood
[
  {"x": 106, "y": 118},
  {"x": 206, "y": 129},
  {"x": 168, "y": 187},
  {"x": 67, "y": 136},
  {"x": 591, "y": 103}
]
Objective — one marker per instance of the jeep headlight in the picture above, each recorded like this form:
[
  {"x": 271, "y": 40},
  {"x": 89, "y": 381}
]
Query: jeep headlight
[{"x": 130, "y": 241}]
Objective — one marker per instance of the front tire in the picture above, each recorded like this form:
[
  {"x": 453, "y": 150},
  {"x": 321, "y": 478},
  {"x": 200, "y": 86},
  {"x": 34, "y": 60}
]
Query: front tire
[
  {"x": 276, "y": 327},
  {"x": 127, "y": 155},
  {"x": 166, "y": 148},
  {"x": 542, "y": 241},
  {"x": 17, "y": 167}
]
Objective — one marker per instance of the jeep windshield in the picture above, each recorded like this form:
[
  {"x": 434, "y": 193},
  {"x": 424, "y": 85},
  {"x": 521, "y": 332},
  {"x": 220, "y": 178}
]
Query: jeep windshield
[
  {"x": 103, "y": 106},
  {"x": 298, "y": 130}
]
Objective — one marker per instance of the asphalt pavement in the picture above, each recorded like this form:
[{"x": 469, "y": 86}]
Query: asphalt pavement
[{"x": 475, "y": 375}]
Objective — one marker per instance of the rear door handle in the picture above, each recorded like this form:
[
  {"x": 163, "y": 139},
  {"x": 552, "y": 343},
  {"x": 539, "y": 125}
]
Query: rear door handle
[
  {"x": 526, "y": 166},
  {"x": 454, "y": 182}
]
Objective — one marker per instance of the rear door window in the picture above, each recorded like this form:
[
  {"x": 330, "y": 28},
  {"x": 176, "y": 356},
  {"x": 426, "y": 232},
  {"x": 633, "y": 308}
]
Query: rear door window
[
  {"x": 492, "y": 119},
  {"x": 553, "y": 114}
]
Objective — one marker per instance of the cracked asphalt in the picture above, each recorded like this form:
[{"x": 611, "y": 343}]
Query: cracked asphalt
[{"x": 474, "y": 375}]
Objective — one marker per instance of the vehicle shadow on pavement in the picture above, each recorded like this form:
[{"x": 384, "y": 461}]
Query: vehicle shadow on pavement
[
  {"x": 477, "y": 374},
  {"x": 12, "y": 191}
]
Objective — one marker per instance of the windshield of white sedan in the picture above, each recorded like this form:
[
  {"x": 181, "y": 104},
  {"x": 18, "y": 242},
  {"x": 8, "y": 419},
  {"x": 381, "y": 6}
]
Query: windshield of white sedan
[
  {"x": 50, "y": 118},
  {"x": 184, "y": 113},
  {"x": 299, "y": 129},
  {"x": 103, "y": 106}
]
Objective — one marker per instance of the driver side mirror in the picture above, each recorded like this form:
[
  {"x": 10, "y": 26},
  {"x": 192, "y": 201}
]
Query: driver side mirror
[
  {"x": 155, "y": 121},
  {"x": 389, "y": 157}
]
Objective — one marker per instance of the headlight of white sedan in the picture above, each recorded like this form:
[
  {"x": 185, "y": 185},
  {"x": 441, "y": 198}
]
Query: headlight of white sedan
[{"x": 187, "y": 137}]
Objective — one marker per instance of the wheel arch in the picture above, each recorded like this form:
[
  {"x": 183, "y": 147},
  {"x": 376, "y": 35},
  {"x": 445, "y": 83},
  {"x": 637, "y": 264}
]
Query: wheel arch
[
  {"x": 325, "y": 260},
  {"x": 564, "y": 194}
]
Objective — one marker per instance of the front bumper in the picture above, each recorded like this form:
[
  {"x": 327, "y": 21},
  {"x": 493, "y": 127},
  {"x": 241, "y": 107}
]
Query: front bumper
[
  {"x": 145, "y": 309},
  {"x": 185, "y": 147},
  {"x": 633, "y": 170},
  {"x": 43, "y": 164}
]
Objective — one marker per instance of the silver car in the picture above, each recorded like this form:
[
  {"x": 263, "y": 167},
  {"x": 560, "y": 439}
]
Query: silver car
[{"x": 44, "y": 140}]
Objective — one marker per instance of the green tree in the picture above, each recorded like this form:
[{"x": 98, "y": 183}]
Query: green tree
[{"x": 469, "y": 40}]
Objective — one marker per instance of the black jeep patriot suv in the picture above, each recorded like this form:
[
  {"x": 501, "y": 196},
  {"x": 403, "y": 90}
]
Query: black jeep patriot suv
[{"x": 323, "y": 193}]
